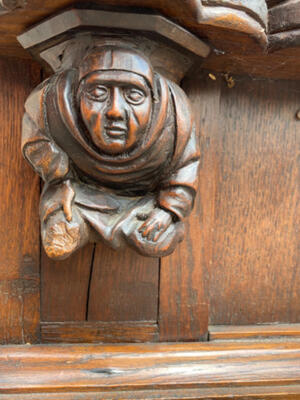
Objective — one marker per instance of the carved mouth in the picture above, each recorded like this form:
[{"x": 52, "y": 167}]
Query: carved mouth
[{"x": 115, "y": 131}]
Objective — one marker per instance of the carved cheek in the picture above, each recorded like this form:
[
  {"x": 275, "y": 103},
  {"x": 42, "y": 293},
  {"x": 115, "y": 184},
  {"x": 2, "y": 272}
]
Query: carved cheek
[
  {"x": 140, "y": 116},
  {"x": 92, "y": 114}
]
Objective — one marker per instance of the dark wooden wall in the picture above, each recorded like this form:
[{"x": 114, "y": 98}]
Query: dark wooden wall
[
  {"x": 249, "y": 197},
  {"x": 238, "y": 264},
  {"x": 19, "y": 222}
]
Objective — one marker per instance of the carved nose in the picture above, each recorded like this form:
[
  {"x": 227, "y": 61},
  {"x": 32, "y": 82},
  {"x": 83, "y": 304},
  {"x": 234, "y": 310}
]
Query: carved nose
[{"x": 116, "y": 109}]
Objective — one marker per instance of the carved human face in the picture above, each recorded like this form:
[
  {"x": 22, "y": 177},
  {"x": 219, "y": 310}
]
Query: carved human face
[{"x": 116, "y": 108}]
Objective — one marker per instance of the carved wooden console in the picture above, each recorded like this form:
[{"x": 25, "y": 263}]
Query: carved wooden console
[
  {"x": 111, "y": 133},
  {"x": 162, "y": 170}
]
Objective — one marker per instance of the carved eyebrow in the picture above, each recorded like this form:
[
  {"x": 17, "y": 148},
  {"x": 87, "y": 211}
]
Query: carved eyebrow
[{"x": 122, "y": 79}]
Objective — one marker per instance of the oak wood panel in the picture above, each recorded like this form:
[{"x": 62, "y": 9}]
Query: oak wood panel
[
  {"x": 183, "y": 308},
  {"x": 249, "y": 172},
  {"x": 124, "y": 286},
  {"x": 19, "y": 228},
  {"x": 232, "y": 332},
  {"x": 208, "y": 367},
  {"x": 65, "y": 286},
  {"x": 95, "y": 332}
]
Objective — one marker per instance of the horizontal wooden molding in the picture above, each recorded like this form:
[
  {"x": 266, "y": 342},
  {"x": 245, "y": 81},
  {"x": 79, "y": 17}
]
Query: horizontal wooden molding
[
  {"x": 95, "y": 332},
  {"x": 231, "y": 332},
  {"x": 216, "y": 370}
]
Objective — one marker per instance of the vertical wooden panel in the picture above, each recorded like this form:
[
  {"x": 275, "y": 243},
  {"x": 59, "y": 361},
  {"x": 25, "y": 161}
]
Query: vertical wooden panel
[
  {"x": 249, "y": 197},
  {"x": 65, "y": 286},
  {"x": 183, "y": 309},
  {"x": 19, "y": 227},
  {"x": 124, "y": 286},
  {"x": 253, "y": 276}
]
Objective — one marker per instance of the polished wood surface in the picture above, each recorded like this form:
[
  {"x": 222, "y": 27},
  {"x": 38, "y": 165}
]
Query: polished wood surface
[
  {"x": 237, "y": 33},
  {"x": 99, "y": 332},
  {"x": 182, "y": 371},
  {"x": 270, "y": 331},
  {"x": 124, "y": 286},
  {"x": 248, "y": 196},
  {"x": 248, "y": 21},
  {"x": 19, "y": 239},
  {"x": 65, "y": 286}
]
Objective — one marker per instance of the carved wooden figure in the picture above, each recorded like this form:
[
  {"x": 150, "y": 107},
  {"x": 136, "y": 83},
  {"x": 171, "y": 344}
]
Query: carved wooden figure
[{"x": 114, "y": 142}]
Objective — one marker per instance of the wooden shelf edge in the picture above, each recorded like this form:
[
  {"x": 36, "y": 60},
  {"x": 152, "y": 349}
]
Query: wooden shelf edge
[
  {"x": 152, "y": 370},
  {"x": 247, "y": 332}
]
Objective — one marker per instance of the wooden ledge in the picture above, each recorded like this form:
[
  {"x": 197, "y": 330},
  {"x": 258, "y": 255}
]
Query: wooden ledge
[{"x": 150, "y": 371}]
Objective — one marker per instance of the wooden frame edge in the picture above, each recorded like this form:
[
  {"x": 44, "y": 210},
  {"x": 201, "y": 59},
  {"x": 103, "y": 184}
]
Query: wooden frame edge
[{"x": 214, "y": 370}]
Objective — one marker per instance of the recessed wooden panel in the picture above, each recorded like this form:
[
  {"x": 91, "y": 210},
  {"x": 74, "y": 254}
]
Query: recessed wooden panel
[
  {"x": 251, "y": 214},
  {"x": 124, "y": 286},
  {"x": 183, "y": 309},
  {"x": 65, "y": 286},
  {"x": 19, "y": 227},
  {"x": 95, "y": 332}
]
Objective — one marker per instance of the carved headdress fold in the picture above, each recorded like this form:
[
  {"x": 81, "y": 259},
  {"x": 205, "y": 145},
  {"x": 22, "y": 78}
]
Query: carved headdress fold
[{"x": 167, "y": 132}]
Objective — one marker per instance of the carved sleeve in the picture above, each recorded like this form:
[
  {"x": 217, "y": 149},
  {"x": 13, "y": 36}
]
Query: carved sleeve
[
  {"x": 46, "y": 158},
  {"x": 178, "y": 193}
]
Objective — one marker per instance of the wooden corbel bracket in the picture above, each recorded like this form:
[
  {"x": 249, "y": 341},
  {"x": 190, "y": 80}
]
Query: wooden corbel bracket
[{"x": 111, "y": 133}]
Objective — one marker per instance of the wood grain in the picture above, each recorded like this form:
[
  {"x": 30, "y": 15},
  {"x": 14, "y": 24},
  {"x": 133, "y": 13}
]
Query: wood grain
[
  {"x": 284, "y": 17},
  {"x": 65, "y": 286},
  {"x": 173, "y": 370},
  {"x": 183, "y": 309},
  {"x": 232, "y": 332},
  {"x": 249, "y": 192},
  {"x": 95, "y": 332},
  {"x": 237, "y": 52},
  {"x": 19, "y": 228},
  {"x": 124, "y": 286},
  {"x": 291, "y": 392}
]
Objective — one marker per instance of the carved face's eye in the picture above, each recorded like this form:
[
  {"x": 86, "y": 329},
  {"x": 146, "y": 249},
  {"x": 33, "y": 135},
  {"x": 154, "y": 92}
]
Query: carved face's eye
[
  {"x": 98, "y": 93},
  {"x": 134, "y": 96}
]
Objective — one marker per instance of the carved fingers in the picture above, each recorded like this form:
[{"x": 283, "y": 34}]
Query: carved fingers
[
  {"x": 156, "y": 224},
  {"x": 61, "y": 198}
]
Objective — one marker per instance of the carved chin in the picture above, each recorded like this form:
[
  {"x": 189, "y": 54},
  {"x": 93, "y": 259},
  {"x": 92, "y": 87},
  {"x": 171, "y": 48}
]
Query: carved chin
[{"x": 111, "y": 142}]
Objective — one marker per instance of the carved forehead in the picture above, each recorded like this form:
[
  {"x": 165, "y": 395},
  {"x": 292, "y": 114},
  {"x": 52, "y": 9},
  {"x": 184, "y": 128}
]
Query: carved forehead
[
  {"x": 113, "y": 77},
  {"x": 116, "y": 59}
]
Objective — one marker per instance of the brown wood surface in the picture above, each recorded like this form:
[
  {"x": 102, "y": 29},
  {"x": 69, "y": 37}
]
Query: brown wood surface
[
  {"x": 285, "y": 16},
  {"x": 249, "y": 194},
  {"x": 237, "y": 52},
  {"x": 65, "y": 286},
  {"x": 291, "y": 392},
  {"x": 95, "y": 332},
  {"x": 183, "y": 308},
  {"x": 187, "y": 13},
  {"x": 124, "y": 286},
  {"x": 232, "y": 332},
  {"x": 173, "y": 371},
  {"x": 19, "y": 228}
]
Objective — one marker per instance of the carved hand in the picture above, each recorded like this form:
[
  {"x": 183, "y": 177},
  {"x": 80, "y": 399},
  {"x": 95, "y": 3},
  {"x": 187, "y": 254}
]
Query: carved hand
[
  {"x": 156, "y": 224},
  {"x": 63, "y": 198}
]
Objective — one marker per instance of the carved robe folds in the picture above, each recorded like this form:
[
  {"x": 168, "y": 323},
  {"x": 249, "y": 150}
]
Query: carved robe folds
[{"x": 115, "y": 143}]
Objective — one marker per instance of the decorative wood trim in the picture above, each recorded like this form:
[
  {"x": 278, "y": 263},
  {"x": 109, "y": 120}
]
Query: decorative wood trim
[
  {"x": 73, "y": 19},
  {"x": 216, "y": 370},
  {"x": 221, "y": 332},
  {"x": 95, "y": 332}
]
